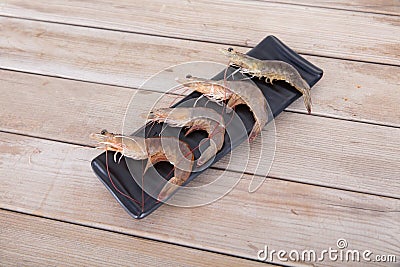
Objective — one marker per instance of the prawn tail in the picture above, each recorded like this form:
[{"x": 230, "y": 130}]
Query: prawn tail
[
  {"x": 254, "y": 132},
  {"x": 307, "y": 97},
  {"x": 302, "y": 86},
  {"x": 308, "y": 102},
  {"x": 207, "y": 154},
  {"x": 170, "y": 187}
]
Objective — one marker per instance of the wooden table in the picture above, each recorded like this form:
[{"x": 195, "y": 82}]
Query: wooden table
[{"x": 69, "y": 68}]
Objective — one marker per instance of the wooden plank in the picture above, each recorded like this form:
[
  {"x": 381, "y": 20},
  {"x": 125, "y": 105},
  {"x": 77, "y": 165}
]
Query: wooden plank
[
  {"x": 391, "y": 7},
  {"x": 54, "y": 180},
  {"x": 318, "y": 31},
  {"x": 309, "y": 149},
  {"x": 349, "y": 90},
  {"x": 27, "y": 240}
]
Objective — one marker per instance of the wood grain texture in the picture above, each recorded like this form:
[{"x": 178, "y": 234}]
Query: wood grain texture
[
  {"x": 298, "y": 209},
  {"x": 54, "y": 180},
  {"x": 375, "y": 6},
  {"x": 309, "y": 149},
  {"x": 52, "y": 243},
  {"x": 349, "y": 90},
  {"x": 319, "y": 31}
]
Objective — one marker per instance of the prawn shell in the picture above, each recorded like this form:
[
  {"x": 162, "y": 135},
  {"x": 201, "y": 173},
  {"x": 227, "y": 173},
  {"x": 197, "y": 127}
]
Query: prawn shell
[{"x": 278, "y": 98}]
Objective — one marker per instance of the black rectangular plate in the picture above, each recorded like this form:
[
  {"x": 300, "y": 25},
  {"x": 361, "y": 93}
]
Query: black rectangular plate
[{"x": 279, "y": 96}]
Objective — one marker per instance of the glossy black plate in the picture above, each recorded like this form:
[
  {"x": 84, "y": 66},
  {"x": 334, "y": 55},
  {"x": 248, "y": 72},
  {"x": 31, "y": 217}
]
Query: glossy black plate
[{"x": 279, "y": 96}]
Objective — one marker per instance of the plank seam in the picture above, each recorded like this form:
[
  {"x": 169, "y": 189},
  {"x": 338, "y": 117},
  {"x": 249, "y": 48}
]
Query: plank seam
[
  {"x": 218, "y": 168},
  {"x": 335, "y": 117},
  {"x": 187, "y": 39},
  {"x": 310, "y": 184},
  {"x": 328, "y": 7},
  {"x": 358, "y": 208},
  {"x": 131, "y": 235}
]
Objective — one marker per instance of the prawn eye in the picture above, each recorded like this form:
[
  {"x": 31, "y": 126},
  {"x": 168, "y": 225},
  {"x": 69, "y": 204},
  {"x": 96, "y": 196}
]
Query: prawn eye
[
  {"x": 230, "y": 49},
  {"x": 103, "y": 132},
  {"x": 189, "y": 76}
]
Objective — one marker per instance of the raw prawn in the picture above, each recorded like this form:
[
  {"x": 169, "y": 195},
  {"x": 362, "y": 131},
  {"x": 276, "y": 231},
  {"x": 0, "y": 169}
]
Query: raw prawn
[
  {"x": 270, "y": 70},
  {"x": 155, "y": 149},
  {"x": 236, "y": 92},
  {"x": 195, "y": 118}
]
